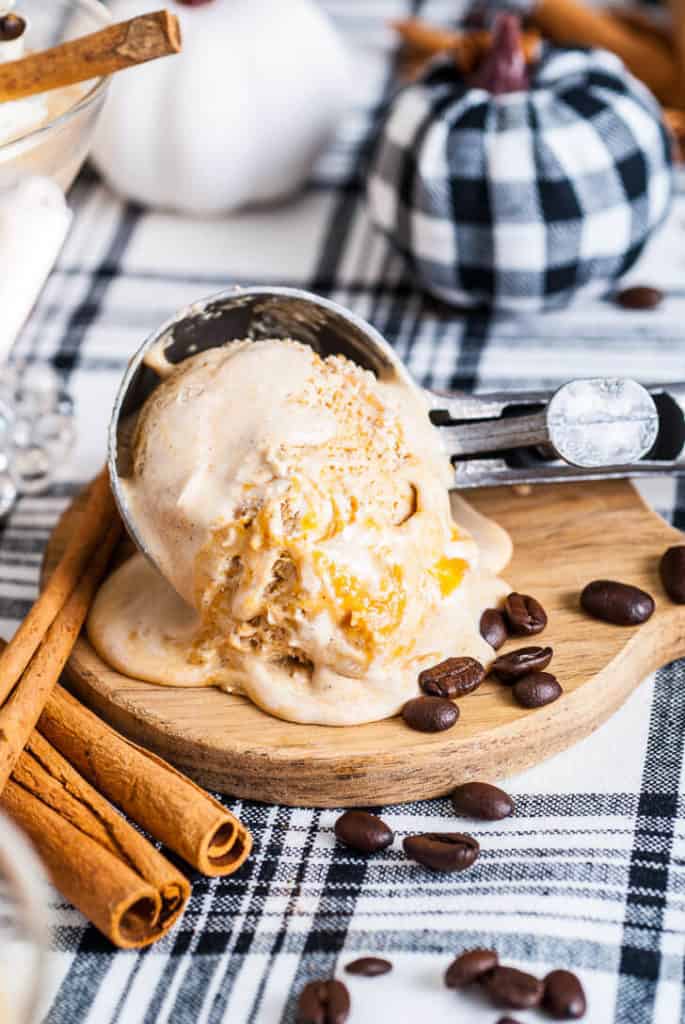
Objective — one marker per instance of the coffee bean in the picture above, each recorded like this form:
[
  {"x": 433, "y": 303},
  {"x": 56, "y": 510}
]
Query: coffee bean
[
  {"x": 619, "y": 603},
  {"x": 507, "y": 1020},
  {"x": 442, "y": 851},
  {"x": 369, "y": 966},
  {"x": 564, "y": 997},
  {"x": 515, "y": 664},
  {"x": 640, "y": 296},
  {"x": 525, "y": 615},
  {"x": 430, "y": 714},
  {"x": 493, "y": 628},
  {"x": 454, "y": 677},
  {"x": 11, "y": 27},
  {"x": 469, "y": 967},
  {"x": 537, "y": 689},
  {"x": 672, "y": 569},
  {"x": 323, "y": 1002},
  {"x": 483, "y": 801},
  {"x": 363, "y": 831},
  {"x": 509, "y": 987}
]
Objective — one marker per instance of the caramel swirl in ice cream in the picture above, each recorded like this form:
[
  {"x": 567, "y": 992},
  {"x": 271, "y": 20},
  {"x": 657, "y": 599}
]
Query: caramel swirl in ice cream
[{"x": 299, "y": 511}]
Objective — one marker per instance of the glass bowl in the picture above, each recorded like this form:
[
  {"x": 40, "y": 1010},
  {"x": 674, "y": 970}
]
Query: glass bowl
[
  {"x": 58, "y": 148},
  {"x": 24, "y": 927}
]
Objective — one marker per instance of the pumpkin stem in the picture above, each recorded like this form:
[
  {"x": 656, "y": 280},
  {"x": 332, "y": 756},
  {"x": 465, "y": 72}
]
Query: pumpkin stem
[{"x": 504, "y": 68}]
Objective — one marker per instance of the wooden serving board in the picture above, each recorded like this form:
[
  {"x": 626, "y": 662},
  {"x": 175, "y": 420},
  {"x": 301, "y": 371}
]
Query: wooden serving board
[{"x": 564, "y": 536}]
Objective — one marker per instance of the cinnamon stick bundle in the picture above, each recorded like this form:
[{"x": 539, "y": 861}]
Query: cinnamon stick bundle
[
  {"x": 571, "y": 23},
  {"x": 423, "y": 41},
  {"x": 21, "y": 711},
  {"x": 162, "y": 800},
  {"x": 94, "y": 857},
  {"x": 99, "y": 511}
]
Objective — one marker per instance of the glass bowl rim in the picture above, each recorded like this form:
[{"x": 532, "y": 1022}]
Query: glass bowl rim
[{"x": 95, "y": 7}]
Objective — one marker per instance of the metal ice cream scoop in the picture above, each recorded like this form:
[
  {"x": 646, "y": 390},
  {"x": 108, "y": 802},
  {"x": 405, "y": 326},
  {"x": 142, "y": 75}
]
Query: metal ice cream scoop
[{"x": 602, "y": 427}]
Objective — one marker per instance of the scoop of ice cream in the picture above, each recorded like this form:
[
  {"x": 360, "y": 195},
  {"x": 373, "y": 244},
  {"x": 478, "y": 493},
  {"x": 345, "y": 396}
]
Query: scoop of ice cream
[{"x": 300, "y": 506}]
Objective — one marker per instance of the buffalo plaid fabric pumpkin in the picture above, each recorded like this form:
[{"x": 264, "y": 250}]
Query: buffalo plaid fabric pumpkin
[{"x": 525, "y": 200}]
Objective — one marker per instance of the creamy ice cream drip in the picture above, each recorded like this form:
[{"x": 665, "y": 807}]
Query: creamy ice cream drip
[{"x": 299, "y": 510}]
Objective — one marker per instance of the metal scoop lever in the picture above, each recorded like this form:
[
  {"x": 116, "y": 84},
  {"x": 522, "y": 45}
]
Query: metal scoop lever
[{"x": 588, "y": 428}]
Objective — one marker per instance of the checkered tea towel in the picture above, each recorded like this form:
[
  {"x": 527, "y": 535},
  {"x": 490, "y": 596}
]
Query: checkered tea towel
[{"x": 526, "y": 200}]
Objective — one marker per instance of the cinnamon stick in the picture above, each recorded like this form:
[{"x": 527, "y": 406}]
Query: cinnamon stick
[
  {"x": 166, "y": 803},
  {"x": 100, "y": 863},
  {"x": 21, "y": 711},
  {"x": 423, "y": 39},
  {"x": 570, "y": 22},
  {"x": 678, "y": 29},
  {"x": 98, "y": 513},
  {"x": 102, "y": 53}
]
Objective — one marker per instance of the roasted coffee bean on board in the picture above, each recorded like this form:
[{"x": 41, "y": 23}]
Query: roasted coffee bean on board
[
  {"x": 369, "y": 966},
  {"x": 618, "y": 603},
  {"x": 482, "y": 801},
  {"x": 454, "y": 677},
  {"x": 564, "y": 998},
  {"x": 672, "y": 569},
  {"x": 514, "y": 664},
  {"x": 525, "y": 615},
  {"x": 363, "y": 831},
  {"x": 323, "y": 1002},
  {"x": 493, "y": 628},
  {"x": 469, "y": 967},
  {"x": 537, "y": 689},
  {"x": 513, "y": 989},
  {"x": 430, "y": 714},
  {"x": 640, "y": 296},
  {"x": 442, "y": 851}
]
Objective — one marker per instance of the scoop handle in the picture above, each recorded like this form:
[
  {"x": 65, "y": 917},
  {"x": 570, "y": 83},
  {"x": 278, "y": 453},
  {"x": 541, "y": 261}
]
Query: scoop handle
[{"x": 596, "y": 427}]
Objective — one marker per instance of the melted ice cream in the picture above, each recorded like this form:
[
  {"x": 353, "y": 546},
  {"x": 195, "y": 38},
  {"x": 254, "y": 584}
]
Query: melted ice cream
[{"x": 299, "y": 511}]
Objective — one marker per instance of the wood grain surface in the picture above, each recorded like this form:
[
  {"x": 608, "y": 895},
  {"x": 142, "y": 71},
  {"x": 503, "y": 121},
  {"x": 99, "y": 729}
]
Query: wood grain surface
[{"x": 564, "y": 536}]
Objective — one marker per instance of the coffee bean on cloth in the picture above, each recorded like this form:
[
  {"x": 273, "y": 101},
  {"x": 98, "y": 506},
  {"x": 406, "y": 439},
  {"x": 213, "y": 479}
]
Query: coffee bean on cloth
[
  {"x": 564, "y": 998},
  {"x": 489, "y": 202},
  {"x": 672, "y": 570},
  {"x": 511, "y": 666},
  {"x": 493, "y": 628},
  {"x": 640, "y": 297},
  {"x": 430, "y": 714},
  {"x": 618, "y": 603},
  {"x": 454, "y": 677},
  {"x": 482, "y": 801},
  {"x": 469, "y": 967},
  {"x": 323, "y": 1002},
  {"x": 525, "y": 615},
  {"x": 537, "y": 689},
  {"x": 363, "y": 831},
  {"x": 443, "y": 851},
  {"x": 512, "y": 988},
  {"x": 369, "y": 966}
]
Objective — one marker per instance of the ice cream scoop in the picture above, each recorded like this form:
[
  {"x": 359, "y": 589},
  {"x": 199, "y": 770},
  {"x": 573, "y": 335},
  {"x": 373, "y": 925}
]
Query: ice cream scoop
[
  {"x": 588, "y": 428},
  {"x": 299, "y": 508}
]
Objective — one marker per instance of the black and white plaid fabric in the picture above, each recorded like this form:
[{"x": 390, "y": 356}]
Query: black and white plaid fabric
[
  {"x": 527, "y": 200},
  {"x": 589, "y": 874}
]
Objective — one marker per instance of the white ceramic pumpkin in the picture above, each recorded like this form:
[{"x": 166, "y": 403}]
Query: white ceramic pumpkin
[{"x": 237, "y": 118}]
